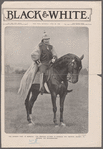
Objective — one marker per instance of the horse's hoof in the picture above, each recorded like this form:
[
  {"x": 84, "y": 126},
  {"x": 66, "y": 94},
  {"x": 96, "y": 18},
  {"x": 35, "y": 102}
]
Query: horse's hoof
[
  {"x": 62, "y": 124},
  {"x": 56, "y": 125},
  {"x": 31, "y": 123}
]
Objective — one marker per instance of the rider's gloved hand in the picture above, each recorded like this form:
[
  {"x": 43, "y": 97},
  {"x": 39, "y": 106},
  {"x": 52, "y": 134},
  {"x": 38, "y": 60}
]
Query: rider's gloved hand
[
  {"x": 53, "y": 60},
  {"x": 39, "y": 64}
]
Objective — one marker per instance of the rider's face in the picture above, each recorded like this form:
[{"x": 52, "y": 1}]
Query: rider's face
[{"x": 46, "y": 41}]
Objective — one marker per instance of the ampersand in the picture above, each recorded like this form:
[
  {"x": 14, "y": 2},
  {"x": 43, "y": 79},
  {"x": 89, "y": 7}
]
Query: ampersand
[{"x": 44, "y": 14}]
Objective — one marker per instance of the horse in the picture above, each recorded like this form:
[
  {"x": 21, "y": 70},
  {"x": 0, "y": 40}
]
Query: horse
[{"x": 65, "y": 69}]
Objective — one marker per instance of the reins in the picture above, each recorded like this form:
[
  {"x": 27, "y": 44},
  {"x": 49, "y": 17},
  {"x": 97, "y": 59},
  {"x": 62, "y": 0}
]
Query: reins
[
  {"x": 59, "y": 75},
  {"x": 72, "y": 65},
  {"x": 61, "y": 78},
  {"x": 52, "y": 69}
]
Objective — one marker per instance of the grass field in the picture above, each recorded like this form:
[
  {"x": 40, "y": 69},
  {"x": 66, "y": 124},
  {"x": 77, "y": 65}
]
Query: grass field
[{"x": 75, "y": 109}]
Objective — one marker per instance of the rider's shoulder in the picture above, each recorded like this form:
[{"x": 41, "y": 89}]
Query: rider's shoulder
[
  {"x": 40, "y": 44},
  {"x": 51, "y": 46}
]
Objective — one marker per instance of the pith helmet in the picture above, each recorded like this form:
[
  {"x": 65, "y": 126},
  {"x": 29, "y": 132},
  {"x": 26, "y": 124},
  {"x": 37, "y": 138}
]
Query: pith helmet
[{"x": 45, "y": 36}]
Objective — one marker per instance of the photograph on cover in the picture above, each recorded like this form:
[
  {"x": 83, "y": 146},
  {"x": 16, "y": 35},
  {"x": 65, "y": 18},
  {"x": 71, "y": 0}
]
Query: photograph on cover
[{"x": 46, "y": 79}]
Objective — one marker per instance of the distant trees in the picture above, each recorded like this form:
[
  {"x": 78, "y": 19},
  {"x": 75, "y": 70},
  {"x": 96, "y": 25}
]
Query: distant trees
[
  {"x": 17, "y": 71},
  {"x": 84, "y": 71},
  {"x": 9, "y": 70}
]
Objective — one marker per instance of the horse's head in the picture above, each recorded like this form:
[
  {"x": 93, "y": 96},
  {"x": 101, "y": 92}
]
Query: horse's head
[
  {"x": 68, "y": 66},
  {"x": 74, "y": 67}
]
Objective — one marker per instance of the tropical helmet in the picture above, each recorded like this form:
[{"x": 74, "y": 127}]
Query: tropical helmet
[{"x": 45, "y": 36}]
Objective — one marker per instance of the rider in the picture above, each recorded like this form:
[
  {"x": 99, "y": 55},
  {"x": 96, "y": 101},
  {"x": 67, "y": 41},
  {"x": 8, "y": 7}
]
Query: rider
[{"x": 42, "y": 56}]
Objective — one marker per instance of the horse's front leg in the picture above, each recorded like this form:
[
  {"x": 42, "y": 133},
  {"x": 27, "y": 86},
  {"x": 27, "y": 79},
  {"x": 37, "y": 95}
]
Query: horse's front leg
[
  {"x": 62, "y": 98},
  {"x": 53, "y": 97}
]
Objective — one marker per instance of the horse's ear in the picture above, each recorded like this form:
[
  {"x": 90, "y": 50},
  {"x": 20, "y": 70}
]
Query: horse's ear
[{"x": 81, "y": 57}]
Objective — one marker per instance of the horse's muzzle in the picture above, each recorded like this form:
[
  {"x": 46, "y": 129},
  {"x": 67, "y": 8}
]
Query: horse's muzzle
[
  {"x": 72, "y": 81},
  {"x": 69, "y": 80},
  {"x": 72, "y": 78}
]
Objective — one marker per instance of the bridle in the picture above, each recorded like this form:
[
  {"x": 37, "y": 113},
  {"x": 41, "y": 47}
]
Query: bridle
[
  {"x": 71, "y": 73},
  {"x": 71, "y": 64}
]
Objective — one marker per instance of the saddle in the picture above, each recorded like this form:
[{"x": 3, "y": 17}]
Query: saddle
[{"x": 48, "y": 72}]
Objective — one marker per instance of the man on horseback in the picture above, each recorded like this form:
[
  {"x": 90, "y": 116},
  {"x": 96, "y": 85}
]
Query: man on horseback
[
  {"x": 46, "y": 55},
  {"x": 42, "y": 55}
]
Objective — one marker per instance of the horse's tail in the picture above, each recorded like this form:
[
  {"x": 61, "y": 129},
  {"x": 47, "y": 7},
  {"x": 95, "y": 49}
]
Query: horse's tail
[{"x": 68, "y": 91}]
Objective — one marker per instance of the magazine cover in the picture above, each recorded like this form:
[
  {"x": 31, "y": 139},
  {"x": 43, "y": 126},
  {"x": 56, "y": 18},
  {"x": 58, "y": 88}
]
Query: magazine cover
[{"x": 51, "y": 58}]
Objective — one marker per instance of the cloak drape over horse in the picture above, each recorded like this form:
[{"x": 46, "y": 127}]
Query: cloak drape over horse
[{"x": 29, "y": 76}]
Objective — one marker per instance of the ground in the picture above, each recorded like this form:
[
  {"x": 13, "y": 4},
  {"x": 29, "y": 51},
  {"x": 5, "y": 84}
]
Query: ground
[{"x": 75, "y": 109}]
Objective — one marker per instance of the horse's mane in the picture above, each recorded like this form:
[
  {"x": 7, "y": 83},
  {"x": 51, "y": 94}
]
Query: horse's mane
[{"x": 64, "y": 59}]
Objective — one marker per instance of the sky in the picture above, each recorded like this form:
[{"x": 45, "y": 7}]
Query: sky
[{"x": 21, "y": 41}]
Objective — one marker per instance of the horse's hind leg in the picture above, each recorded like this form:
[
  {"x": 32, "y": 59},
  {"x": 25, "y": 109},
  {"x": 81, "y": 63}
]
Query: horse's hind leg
[
  {"x": 31, "y": 102},
  {"x": 53, "y": 96},
  {"x": 27, "y": 107}
]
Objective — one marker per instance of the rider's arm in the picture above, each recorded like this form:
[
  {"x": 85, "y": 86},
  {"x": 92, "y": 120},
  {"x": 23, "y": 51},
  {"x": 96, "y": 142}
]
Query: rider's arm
[
  {"x": 54, "y": 55},
  {"x": 35, "y": 55}
]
